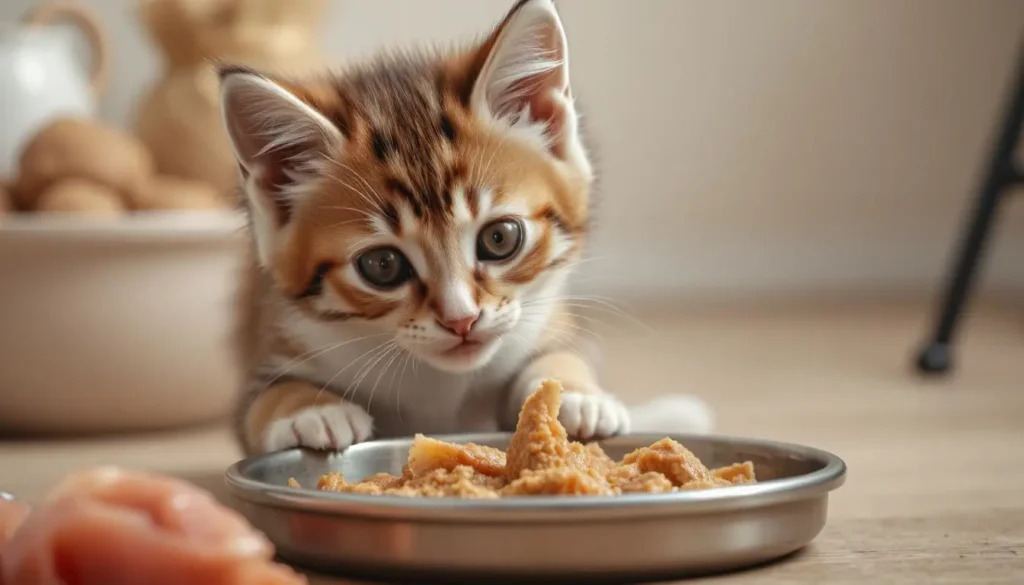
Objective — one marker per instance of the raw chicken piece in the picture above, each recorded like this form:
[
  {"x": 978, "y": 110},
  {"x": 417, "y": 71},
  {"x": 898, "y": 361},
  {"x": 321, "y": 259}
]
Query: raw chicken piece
[
  {"x": 428, "y": 454},
  {"x": 12, "y": 514},
  {"x": 111, "y": 527}
]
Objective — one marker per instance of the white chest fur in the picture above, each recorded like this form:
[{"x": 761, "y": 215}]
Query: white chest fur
[{"x": 402, "y": 394}]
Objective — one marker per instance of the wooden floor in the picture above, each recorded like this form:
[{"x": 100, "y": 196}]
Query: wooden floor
[{"x": 935, "y": 491}]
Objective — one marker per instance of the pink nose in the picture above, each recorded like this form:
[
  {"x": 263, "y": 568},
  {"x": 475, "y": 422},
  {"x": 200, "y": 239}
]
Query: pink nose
[{"x": 460, "y": 327}]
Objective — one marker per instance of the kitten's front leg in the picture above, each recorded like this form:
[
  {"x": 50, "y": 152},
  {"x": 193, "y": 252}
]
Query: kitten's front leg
[
  {"x": 587, "y": 412},
  {"x": 294, "y": 413}
]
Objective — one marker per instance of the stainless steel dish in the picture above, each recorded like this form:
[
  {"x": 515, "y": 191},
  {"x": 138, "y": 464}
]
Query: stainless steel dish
[{"x": 625, "y": 537}]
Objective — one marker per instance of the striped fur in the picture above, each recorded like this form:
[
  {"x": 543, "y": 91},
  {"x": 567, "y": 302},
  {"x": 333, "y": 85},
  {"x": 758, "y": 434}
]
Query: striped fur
[{"x": 417, "y": 152}]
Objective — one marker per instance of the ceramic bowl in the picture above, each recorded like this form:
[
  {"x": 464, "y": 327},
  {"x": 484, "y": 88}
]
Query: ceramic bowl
[{"x": 117, "y": 325}]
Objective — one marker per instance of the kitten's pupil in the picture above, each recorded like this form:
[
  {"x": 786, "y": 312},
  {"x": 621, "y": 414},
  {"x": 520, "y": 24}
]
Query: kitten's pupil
[
  {"x": 384, "y": 267},
  {"x": 499, "y": 240}
]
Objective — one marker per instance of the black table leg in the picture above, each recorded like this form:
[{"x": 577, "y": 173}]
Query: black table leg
[{"x": 1002, "y": 173}]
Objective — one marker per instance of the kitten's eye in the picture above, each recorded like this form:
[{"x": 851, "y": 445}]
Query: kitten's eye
[
  {"x": 499, "y": 240},
  {"x": 384, "y": 267}
]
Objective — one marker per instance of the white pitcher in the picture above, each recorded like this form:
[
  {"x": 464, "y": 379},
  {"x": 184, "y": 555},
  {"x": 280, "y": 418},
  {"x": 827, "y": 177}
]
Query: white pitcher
[{"x": 41, "y": 77}]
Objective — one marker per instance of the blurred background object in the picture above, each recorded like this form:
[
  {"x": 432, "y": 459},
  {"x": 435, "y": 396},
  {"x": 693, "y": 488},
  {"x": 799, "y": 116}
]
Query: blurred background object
[
  {"x": 1003, "y": 174},
  {"x": 749, "y": 152},
  {"x": 179, "y": 118},
  {"x": 747, "y": 148},
  {"x": 119, "y": 269},
  {"x": 42, "y": 76},
  {"x": 116, "y": 325},
  {"x": 87, "y": 152}
]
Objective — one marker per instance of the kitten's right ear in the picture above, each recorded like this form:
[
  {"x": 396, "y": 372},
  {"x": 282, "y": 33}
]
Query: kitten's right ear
[
  {"x": 524, "y": 80},
  {"x": 280, "y": 143}
]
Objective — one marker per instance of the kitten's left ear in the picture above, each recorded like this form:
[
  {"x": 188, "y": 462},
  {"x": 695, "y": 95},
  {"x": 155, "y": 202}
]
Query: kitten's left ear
[
  {"x": 280, "y": 141},
  {"x": 525, "y": 79}
]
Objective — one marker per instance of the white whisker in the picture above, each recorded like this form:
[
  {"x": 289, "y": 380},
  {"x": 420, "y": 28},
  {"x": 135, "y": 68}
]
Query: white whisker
[
  {"x": 365, "y": 197},
  {"x": 369, "y": 187},
  {"x": 294, "y": 363},
  {"x": 369, "y": 216},
  {"x": 396, "y": 352},
  {"x": 349, "y": 365},
  {"x": 365, "y": 370}
]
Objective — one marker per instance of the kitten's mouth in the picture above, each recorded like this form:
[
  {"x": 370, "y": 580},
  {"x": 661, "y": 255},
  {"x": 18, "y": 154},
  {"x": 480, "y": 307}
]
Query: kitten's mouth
[
  {"x": 466, "y": 347},
  {"x": 465, "y": 355}
]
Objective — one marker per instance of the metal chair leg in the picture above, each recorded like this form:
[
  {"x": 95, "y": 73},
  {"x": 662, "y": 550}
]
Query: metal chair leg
[{"x": 936, "y": 356}]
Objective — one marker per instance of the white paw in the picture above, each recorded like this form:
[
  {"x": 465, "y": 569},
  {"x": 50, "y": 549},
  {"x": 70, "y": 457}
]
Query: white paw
[
  {"x": 593, "y": 416},
  {"x": 673, "y": 413},
  {"x": 331, "y": 427}
]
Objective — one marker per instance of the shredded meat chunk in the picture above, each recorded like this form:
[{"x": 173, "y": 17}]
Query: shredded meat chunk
[
  {"x": 670, "y": 459},
  {"x": 735, "y": 474},
  {"x": 540, "y": 441},
  {"x": 541, "y": 461},
  {"x": 428, "y": 454},
  {"x": 558, "y": 481},
  {"x": 462, "y": 481},
  {"x": 598, "y": 460},
  {"x": 651, "y": 482}
]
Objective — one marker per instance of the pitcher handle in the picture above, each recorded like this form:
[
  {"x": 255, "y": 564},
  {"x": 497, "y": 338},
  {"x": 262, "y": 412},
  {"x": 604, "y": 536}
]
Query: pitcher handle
[{"x": 87, "y": 22}]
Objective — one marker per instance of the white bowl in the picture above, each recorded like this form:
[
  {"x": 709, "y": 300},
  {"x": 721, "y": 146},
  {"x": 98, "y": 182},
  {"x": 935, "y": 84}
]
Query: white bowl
[{"x": 117, "y": 325}]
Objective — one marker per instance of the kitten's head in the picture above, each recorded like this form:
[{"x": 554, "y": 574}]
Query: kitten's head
[{"x": 431, "y": 196}]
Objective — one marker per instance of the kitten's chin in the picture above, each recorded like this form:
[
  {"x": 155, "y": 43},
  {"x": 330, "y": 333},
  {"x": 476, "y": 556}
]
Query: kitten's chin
[{"x": 464, "y": 358}]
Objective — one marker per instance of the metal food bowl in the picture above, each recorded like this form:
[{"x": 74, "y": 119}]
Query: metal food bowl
[{"x": 628, "y": 537}]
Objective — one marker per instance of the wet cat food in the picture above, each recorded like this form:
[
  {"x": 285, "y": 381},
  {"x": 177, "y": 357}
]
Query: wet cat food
[{"x": 541, "y": 460}]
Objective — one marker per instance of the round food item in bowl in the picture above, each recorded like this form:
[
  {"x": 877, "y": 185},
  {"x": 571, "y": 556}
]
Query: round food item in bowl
[
  {"x": 117, "y": 325},
  {"x": 167, "y": 193},
  {"x": 82, "y": 148},
  {"x": 81, "y": 196}
]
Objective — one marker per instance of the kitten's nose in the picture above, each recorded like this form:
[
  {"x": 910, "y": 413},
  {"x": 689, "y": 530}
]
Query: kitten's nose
[{"x": 461, "y": 326}]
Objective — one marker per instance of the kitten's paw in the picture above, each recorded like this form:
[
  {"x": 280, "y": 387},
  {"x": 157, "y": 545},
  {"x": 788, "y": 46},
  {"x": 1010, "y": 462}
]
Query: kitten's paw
[
  {"x": 593, "y": 416},
  {"x": 331, "y": 427}
]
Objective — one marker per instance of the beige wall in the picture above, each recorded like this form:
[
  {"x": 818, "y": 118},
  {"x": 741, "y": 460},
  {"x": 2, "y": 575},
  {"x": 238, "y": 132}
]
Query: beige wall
[{"x": 747, "y": 145}]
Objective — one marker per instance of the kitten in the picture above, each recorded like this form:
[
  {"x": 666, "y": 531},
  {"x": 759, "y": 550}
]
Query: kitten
[{"x": 414, "y": 223}]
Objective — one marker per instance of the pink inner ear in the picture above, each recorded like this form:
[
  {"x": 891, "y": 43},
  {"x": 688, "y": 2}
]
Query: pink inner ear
[
  {"x": 538, "y": 93},
  {"x": 555, "y": 119},
  {"x": 273, "y": 166},
  {"x": 530, "y": 74},
  {"x": 275, "y": 179},
  {"x": 258, "y": 118}
]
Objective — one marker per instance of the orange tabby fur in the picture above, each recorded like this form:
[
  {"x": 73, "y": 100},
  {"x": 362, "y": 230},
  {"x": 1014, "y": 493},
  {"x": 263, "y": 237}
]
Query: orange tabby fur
[{"x": 412, "y": 149}]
